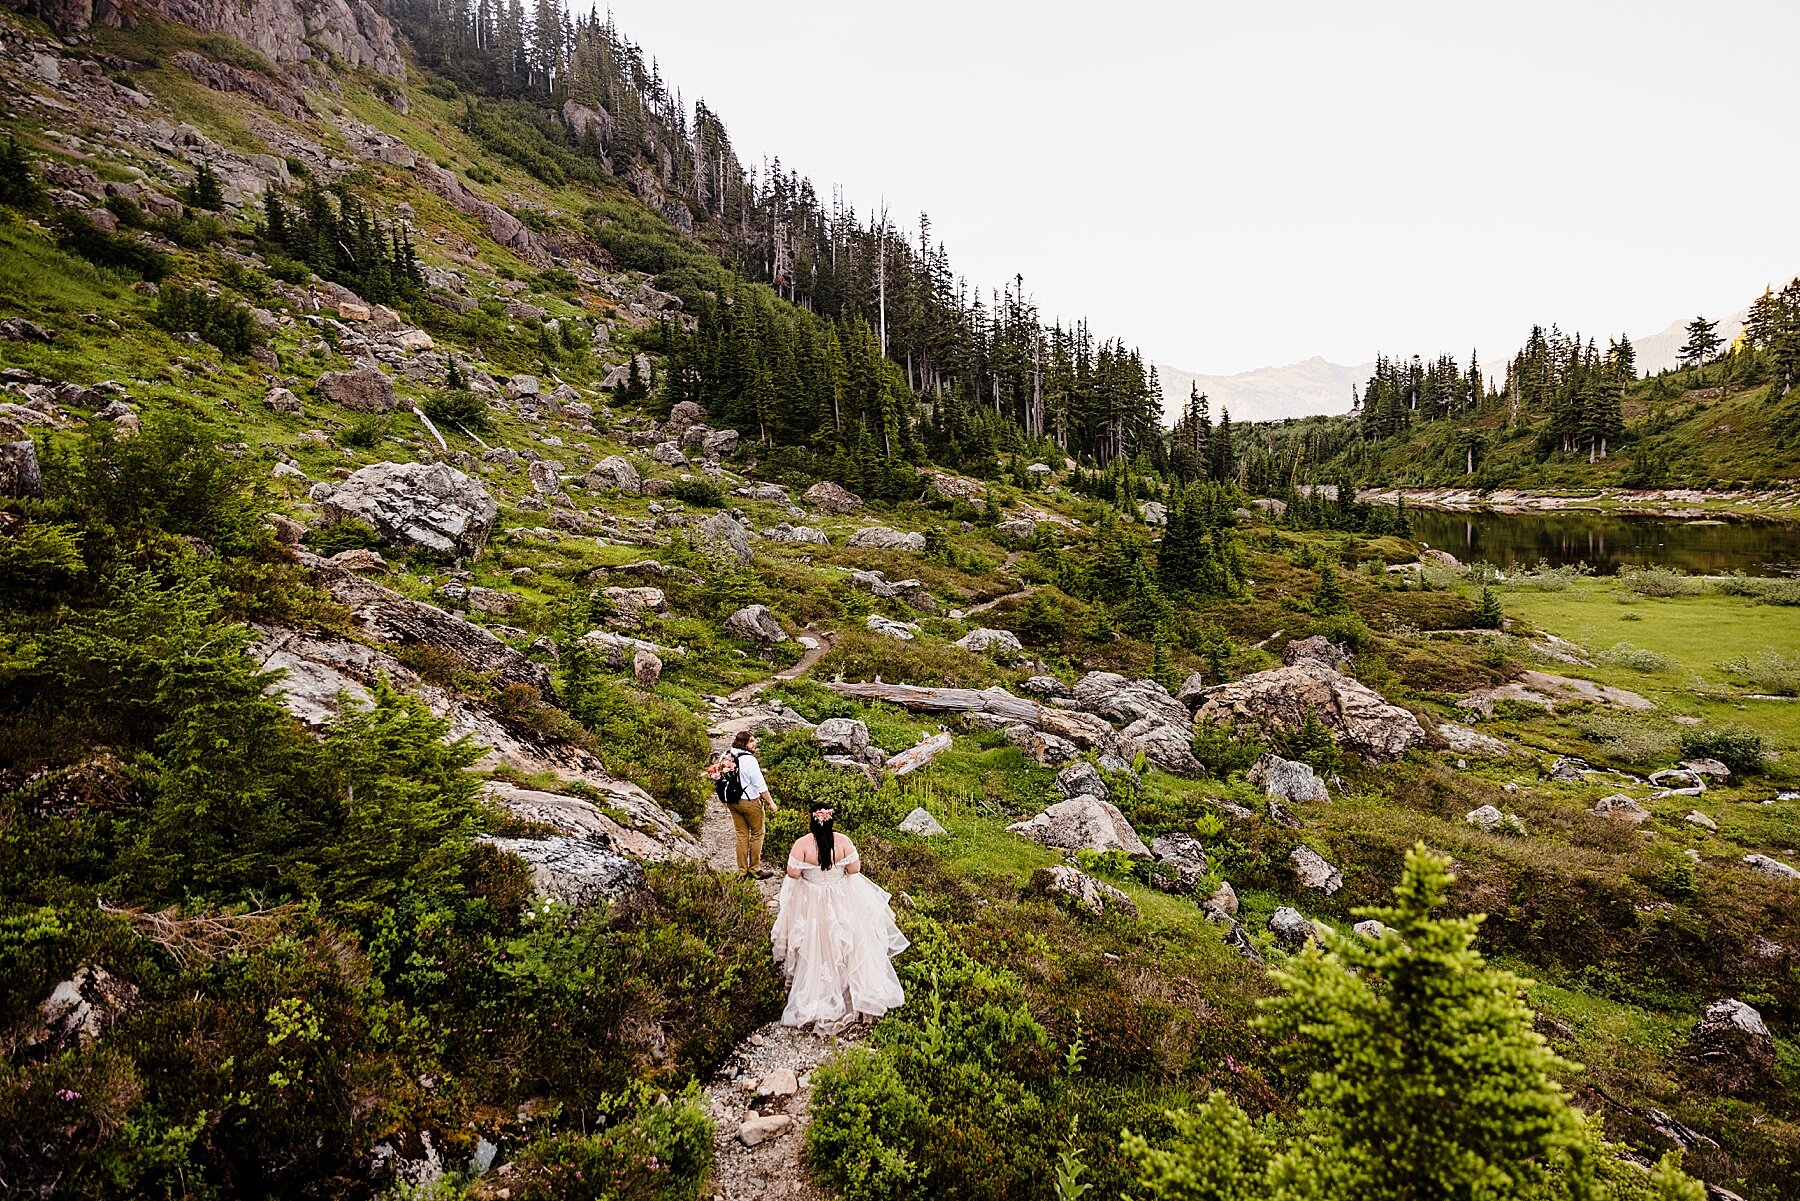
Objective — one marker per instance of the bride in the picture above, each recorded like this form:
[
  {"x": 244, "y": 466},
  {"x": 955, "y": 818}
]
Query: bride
[{"x": 835, "y": 936}]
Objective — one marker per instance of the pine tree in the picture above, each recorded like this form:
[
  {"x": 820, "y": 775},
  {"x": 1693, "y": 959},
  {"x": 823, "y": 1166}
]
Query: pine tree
[
  {"x": 1703, "y": 342},
  {"x": 205, "y": 191},
  {"x": 18, "y": 179},
  {"x": 1489, "y": 616},
  {"x": 1329, "y": 599}
]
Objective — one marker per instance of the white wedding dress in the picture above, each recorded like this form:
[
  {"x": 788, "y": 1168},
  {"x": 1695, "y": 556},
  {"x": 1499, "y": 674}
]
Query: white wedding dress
[{"x": 835, "y": 939}]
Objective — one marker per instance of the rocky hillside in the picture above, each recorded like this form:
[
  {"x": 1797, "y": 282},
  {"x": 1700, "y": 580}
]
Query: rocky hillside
[{"x": 369, "y": 609}]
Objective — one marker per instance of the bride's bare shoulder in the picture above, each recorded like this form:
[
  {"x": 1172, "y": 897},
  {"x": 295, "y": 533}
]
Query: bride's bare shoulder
[{"x": 805, "y": 849}]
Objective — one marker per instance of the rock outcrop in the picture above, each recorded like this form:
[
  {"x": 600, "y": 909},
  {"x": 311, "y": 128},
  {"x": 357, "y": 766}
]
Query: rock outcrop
[
  {"x": 1281, "y": 698},
  {"x": 1083, "y": 823},
  {"x": 921, "y": 824},
  {"x": 1311, "y": 870},
  {"x": 1081, "y": 891},
  {"x": 727, "y": 534},
  {"x": 1185, "y": 858},
  {"x": 754, "y": 623},
  {"x": 986, "y": 641},
  {"x": 361, "y": 390},
  {"x": 830, "y": 499},
  {"x": 80, "y": 1009},
  {"x": 881, "y": 537},
  {"x": 1123, "y": 700},
  {"x": 432, "y": 505},
  {"x": 1734, "y": 1044},
  {"x": 575, "y": 871},
  {"x": 1287, "y": 778}
]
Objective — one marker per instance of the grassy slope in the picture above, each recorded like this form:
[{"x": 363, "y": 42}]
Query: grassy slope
[{"x": 1628, "y": 1031}]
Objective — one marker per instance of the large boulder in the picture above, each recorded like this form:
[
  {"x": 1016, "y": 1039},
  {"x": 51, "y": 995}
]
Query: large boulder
[
  {"x": 418, "y": 504},
  {"x": 922, "y": 824},
  {"x": 985, "y": 641},
  {"x": 1620, "y": 807},
  {"x": 1118, "y": 699},
  {"x": 1081, "y": 891},
  {"x": 1084, "y": 823},
  {"x": 881, "y": 537},
  {"x": 1081, "y": 778},
  {"x": 575, "y": 871},
  {"x": 79, "y": 1010},
  {"x": 1772, "y": 867},
  {"x": 1734, "y": 1044},
  {"x": 1164, "y": 745},
  {"x": 1292, "y": 930},
  {"x": 361, "y": 390},
  {"x": 1046, "y": 750},
  {"x": 727, "y": 533},
  {"x": 20, "y": 474},
  {"x": 1311, "y": 870},
  {"x": 1088, "y": 731},
  {"x": 1283, "y": 697},
  {"x": 796, "y": 533},
  {"x": 1318, "y": 649},
  {"x": 830, "y": 499},
  {"x": 754, "y": 623},
  {"x": 842, "y": 736},
  {"x": 910, "y": 592},
  {"x": 616, "y": 474},
  {"x": 632, "y": 605},
  {"x": 904, "y": 631},
  {"x": 631, "y": 822},
  {"x": 1287, "y": 779},
  {"x": 1185, "y": 858},
  {"x": 1465, "y": 741}
]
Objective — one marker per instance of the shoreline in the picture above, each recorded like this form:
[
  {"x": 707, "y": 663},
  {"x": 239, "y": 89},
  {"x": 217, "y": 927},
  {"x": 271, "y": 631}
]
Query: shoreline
[{"x": 1693, "y": 504}]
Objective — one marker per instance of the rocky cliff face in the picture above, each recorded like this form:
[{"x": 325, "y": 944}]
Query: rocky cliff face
[{"x": 287, "y": 31}]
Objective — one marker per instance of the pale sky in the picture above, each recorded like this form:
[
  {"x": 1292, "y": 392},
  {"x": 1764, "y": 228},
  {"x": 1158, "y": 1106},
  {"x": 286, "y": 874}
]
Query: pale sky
[{"x": 1230, "y": 186}]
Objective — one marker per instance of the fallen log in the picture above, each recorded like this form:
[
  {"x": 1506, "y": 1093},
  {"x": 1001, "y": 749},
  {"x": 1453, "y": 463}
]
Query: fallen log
[
  {"x": 915, "y": 757},
  {"x": 998, "y": 702}
]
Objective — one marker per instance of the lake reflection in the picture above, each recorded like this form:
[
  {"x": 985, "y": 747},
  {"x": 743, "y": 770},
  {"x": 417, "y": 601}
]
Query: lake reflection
[{"x": 1606, "y": 542}]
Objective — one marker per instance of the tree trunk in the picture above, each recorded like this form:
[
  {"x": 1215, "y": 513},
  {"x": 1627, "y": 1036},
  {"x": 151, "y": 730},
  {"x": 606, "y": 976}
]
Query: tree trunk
[{"x": 920, "y": 755}]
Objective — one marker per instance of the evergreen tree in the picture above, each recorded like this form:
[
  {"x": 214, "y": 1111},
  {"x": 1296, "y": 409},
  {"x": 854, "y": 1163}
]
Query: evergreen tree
[
  {"x": 19, "y": 185},
  {"x": 1329, "y": 599},
  {"x": 1703, "y": 342},
  {"x": 205, "y": 191},
  {"x": 1489, "y": 616}
]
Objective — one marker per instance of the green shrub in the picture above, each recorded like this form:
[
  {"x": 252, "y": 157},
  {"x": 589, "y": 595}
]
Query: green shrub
[
  {"x": 649, "y": 740},
  {"x": 863, "y": 1123},
  {"x": 103, "y": 248},
  {"x": 218, "y": 319},
  {"x": 1660, "y": 581},
  {"x": 699, "y": 491},
  {"x": 1765, "y": 590},
  {"x": 1635, "y": 658},
  {"x": 649, "y": 1148},
  {"x": 1222, "y": 750},
  {"x": 367, "y": 431},
  {"x": 1769, "y": 672},
  {"x": 459, "y": 408},
  {"x": 1738, "y": 747}
]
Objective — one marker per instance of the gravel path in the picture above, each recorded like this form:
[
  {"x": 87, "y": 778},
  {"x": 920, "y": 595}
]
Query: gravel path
[{"x": 767, "y": 1081}]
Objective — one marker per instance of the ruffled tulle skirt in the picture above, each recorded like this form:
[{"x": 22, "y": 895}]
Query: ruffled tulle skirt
[{"x": 835, "y": 939}]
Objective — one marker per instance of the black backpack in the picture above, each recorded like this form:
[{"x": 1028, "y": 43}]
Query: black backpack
[{"x": 729, "y": 787}]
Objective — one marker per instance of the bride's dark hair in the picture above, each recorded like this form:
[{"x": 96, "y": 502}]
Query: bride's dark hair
[{"x": 826, "y": 841}]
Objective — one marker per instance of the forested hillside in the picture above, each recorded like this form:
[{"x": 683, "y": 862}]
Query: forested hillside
[
  {"x": 1565, "y": 412},
  {"x": 423, "y": 448}
]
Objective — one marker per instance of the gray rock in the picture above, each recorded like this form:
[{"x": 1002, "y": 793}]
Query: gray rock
[
  {"x": 1192, "y": 689},
  {"x": 633, "y": 605},
  {"x": 1486, "y": 817},
  {"x": 902, "y": 630},
  {"x": 1081, "y": 778},
  {"x": 1678, "y": 779},
  {"x": 646, "y": 669},
  {"x": 1288, "y": 779},
  {"x": 361, "y": 390},
  {"x": 910, "y": 592},
  {"x": 1222, "y": 906},
  {"x": 1292, "y": 930},
  {"x": 1023, "y": 529},
  {"x": 17, "y": 329},
  {"x": 754, "y": 623},
  {"x": 669, "y": 454},
  {"x": 881, "y": 537},
  {"x": 759, "y": 1129},
  {"x": 1707, "y": 767},
  {"x": 572, "y": 870},
  {"x": 1046, "y": 749},
  {"x": 725, "y": 532},
  {"x": 615, "y": 473},
  {"x": 1772, "y": 867},
  {"x": 922, "y": 824},
  {"x": 1116, "y": 698},
  {"x": 1238, "y": 938},
  {"x": 79, "y": 1010},
  {"x": 1083, "y": 823},
  {"x": 985, "y": 641},
  {"x": 1186, "y": 855},
  {"x": 523, "y": 386},
  {"x": 1154, "y": 512},
  {"x": 1734, "y": 1042},
  {"x": 20, "y": 474},
  {"x": 1696, "y": 818},
  {"x": 1370, "y": 929},
  {"x": 719, "y": 443},
  {"x": 281, "y": 400},
  {"x": 1283, "y": 697},
  {"x": 796, "y": 533},
  {"x": 418, "y": 504},
  {"x": 545, "y": 476},
  {"x": 830, "y": 499},
  {"x": 781, "y": 1082},
  {"x": 1620, "y": 807},
  {"x": 1045, "y": 686},
  {"x": 1081, "y": 891},
  {"x": 1164, "y": 745},
  {"x": 1317, "y": 649},
  {"x": 842, "y": 735},
  {"x": 1462, "y": 739},
  {"x": 1313, "y": 872}
]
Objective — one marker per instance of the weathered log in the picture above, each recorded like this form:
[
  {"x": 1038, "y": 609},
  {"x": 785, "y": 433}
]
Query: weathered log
[
  {"x": 998, "y": 702},
  {"x": 915, "y": 757}
]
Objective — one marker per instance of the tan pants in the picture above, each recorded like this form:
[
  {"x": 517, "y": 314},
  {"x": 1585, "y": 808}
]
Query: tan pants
[{"x": 747, "y": 821}]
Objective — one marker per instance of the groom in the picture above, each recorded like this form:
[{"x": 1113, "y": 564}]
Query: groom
[{"x": 747, "y": 813}]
